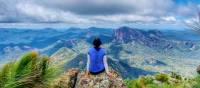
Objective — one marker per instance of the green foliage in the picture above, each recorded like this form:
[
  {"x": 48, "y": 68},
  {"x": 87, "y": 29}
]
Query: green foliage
[
  {"x": 132, "y": 83},
  {"x": 197, "y": 82},
  {"x": 176, "y": 76},
  {"x": 141, "y": 82},
  {"x": 30, "y": 71},
  {"x": 163, "y": 81},
  {"x": 162, "y": 77},
  {"x": 5, "y": 73}
]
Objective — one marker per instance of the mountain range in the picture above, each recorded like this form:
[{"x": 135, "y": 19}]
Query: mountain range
[{"x": 131, "y": 51}]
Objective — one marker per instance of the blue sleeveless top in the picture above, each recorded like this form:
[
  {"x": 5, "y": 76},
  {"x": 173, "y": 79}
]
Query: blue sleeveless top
[{"x": 96, "y": 59}]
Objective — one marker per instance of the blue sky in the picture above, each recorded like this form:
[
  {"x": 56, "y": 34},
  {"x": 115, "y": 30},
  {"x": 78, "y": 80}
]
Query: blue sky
[
  {"x": 99, "y": 12},
  {"x": 184, "y": 2}
]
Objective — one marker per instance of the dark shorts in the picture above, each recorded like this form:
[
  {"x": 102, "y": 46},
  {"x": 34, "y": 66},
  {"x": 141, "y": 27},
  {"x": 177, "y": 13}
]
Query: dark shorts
[{"x": 96, "y": 73}]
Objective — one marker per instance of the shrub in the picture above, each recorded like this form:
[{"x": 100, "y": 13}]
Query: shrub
[
  {"x": 197, "y": 82},
  {"x": 176, "y": 76},
  {"x": 131, "y": 83},
  {"x": 141, "y": 82},
  {"x": 162, "y": 77}
]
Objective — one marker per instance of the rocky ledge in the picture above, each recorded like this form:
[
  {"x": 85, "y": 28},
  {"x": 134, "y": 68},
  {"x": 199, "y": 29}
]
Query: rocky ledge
[{"x": 74, "y": 78}]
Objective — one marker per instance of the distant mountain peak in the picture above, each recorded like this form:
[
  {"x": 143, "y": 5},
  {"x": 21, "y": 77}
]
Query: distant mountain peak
[
  {"x": 126, "y": 34},
  {"x": 152, "y": 38},
  {"x": 124, "y": 27}
]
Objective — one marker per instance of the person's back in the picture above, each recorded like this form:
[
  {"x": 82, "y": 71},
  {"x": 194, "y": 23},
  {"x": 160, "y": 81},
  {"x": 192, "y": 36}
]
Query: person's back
[{"x": 97, "y": 61}]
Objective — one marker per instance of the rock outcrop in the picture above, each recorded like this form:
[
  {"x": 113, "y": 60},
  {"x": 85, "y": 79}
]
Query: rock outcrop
[
  {"x": 67, "y": 80},
  {"x": 74, "y": 78}
]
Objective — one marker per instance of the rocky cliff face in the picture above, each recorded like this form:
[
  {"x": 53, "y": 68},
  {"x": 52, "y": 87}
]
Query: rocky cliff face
[
  {"x": 74, "y": 78},
  {"x": 151, "y": 38},
  {"x": 126, "y": 34},
  {"x": 155, "y": 39}
]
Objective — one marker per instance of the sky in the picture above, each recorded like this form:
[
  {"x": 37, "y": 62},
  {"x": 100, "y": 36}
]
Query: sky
[{"x": 99, "y": 12}]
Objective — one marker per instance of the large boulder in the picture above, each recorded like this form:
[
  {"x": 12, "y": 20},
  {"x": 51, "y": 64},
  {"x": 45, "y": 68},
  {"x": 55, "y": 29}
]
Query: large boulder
[
  {"x": 77, "y": 79},
  {"x": 99, "y": 81}
]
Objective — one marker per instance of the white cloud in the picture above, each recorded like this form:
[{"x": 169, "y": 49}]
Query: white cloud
[
  {"x": 108, "y": 7},
  {"x": 169, "y": 19},
  {"x": 191, "y": 20},
  {"x": 77, "y": 11},
  {"x": 187, "y": 11},
  {"x": 124, "y": 18},
  {"x": 95, "y": 11},
  {"x": 42, "y": 14}
]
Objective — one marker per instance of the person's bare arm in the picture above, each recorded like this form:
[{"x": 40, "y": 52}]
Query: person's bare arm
[
  {"x": 88, "y": 64},
  {"x": 106, "y": 64}
]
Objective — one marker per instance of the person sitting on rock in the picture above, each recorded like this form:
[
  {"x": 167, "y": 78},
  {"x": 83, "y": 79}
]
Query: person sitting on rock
[{"x": 96, "y": 59}]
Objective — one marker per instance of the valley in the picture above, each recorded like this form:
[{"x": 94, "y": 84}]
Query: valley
[{"x": 132, "y": 52}]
